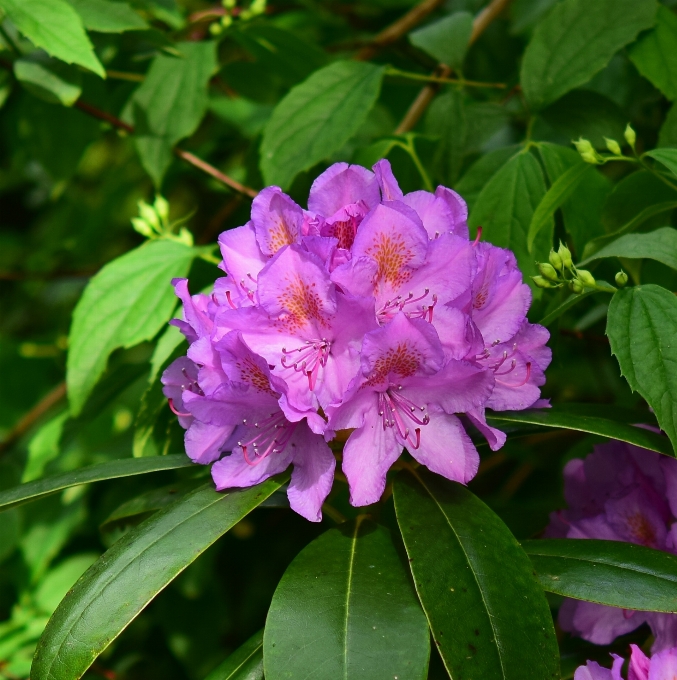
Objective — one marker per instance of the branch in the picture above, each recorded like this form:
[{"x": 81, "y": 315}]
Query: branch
[{"x": 426, "y": 95}]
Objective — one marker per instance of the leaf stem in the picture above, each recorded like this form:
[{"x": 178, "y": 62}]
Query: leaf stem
[{"x": 392, "y": 71}]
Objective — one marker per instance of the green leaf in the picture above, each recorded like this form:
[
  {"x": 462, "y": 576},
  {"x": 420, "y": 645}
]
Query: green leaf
[
  {"x": 170, "y": 103},
  {"x": 117, "y": 587},
  {"x": 44, "y": 447},
  {"x": 108, "y": 16},
  {"x": 49, "y": 79},
  {"x": 574, "y": 299},
  {"x": 613, "y": 573},
  {"x": 562, "y": 189},
  {"x": 668, "y": 157},
  {"x": 668, "y": 132},
  {"x": 57, "y": 582},
  {"x": 655, "y": 54},
  {"x": 642, "y": 326},
  {"x": 576, "y": 40},
  {"x": 127, "y": 302},
  {"x": 317, "y": 117},
  {"x": 446, "y": 120},
  {"x": 246, "y": 663},
  {"x": 56, "y": 27},
  {"x": 659, "y": 245},
  {"x": 506, "y": 207},
  {"x": 606, "y": 421},
  {"x": 113, "y": 469},
  {"x": 345, "y": 608},
  {"x": 445, "y": 39},
  {"x": 487, "y": 613}
]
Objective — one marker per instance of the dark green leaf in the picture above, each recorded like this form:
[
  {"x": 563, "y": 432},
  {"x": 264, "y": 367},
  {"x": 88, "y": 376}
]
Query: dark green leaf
[
  {"x": 668, "y": 132},
  {"x": 506, "y": 207},
  {"x": 642, "y": 327},
  {"x": 345, "y": 608},
  {"x": 246, "y": 663},
  {"x": 127, "y": 577},
  {"x": 108, "y": 16},
  {"x": 655, "y": 54},
  {"x": 575, "y": 40},
  {"x": 481, "y": 171},
  {"x": 607, "y": 572},
  {"x": 446, "y": 39},
  {"x": 606, "y": 421},
  {"x": 49, "y": 79},
  {"x": 113, "y": 469},
  {"x": 572, "y": 300},
  {"x": 668, "y": 157},
  {"x": 659, "y": 245},
  {"x": 56, "y": 27},
  {"x": 446, "y": 120},
  {"x": 127, "y": 302},
  {"x": 488, "y": 614},
  {"x": 317, "y": 118}
]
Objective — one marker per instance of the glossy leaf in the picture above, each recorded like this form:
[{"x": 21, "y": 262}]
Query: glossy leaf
[
  {"x": 447, "y": 121},
  {"x": 575, "y": 40},
  {"x": 118, "y": 586},
  {"x": 642, "y": 327},
  {"x": 659, "y": 245},
  {"x": 488, "y": 614},
  {"x": 317, "y": 118},
  {"x": 246, "y": 663},
  {"x": 57, "y": 28},
  {"x": 445, "y": 39},
  {"x": 345, "y": 608},
  {"x": 668, "y": 157},
  {"x": 481, "y": 171},
  {"x": 105, "y": 16},
  {"x": 506, "y": 207},
  {"x": 614, "y": 573},
  {"x": 606, "y": 421},
  {"x": 127, "y": 302},
  {"x": 49, "y": 79},
  {"x": 655, "y": 54},
  {"x": 113, "y": 469}
]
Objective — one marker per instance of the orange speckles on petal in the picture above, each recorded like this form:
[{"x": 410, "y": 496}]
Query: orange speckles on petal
[
  {"x": 253, "y": 375},
  {"x": 402, "y": 360},
  {"x": 392, "y": 257},
  {"x": 481, "y": 297},
  {"x": 302, "y": 304},
  {"x": 642, "y": 530},
  {"x": 281, "y": 235}
]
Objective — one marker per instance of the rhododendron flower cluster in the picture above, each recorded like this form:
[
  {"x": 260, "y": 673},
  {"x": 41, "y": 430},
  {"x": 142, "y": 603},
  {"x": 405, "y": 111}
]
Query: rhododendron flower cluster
[
  {"x": 370, "y": 312},
  {"x": 661, "y": 666},
  {"x": 619, "y": 492}
]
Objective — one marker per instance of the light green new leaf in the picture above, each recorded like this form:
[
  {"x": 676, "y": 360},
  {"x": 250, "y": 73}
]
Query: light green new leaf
[
  {"x": 113, "y": 469},
  {"x": 612, "y": 573},
  {"x": 488, "y": 615},
  {"x": 110, "y": 594},
  {"x": 506, "y": 207},
  {"x": 446, "y": 39},
  {"x": 576, "y": 40},
  {"x": 170, "y": 103},
  {"x": 56, "y": 27},
  {"x": 317, "y": 117},
  {"x": 668, "y": 157},
  {"x": 606, "y": 421},
  {"x": 345, "y": 608},
  {"x": 642, "y": 329},
  {"x": 659, "y": 245},
  {"x": 108, "y": 16},
  {"x": 49, "y": 79},
  {"x": 246, "y": 663},
  {"x": 127, "y": 302},
  {"x": 562, "y": 188},
  {"x": 655, "y": 54}
]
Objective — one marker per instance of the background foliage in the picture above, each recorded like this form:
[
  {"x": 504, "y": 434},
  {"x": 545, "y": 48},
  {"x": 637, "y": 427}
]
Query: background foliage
[{"x": 106, "y": 103}]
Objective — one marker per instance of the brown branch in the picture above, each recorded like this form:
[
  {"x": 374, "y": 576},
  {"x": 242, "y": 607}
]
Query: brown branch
[
  {"x": 19, "y": 430},
  {"x": 427, "y": 93},
  {"x": 401, "y": 27},
  {"x": 102, "y": 115}
]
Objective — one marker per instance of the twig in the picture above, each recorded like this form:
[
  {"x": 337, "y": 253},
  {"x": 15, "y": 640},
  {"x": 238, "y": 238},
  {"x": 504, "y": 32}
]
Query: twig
[
  {"x": 426, "y": 95},
  {"x": 214, "y": 225},
  {"x": 395, "y": 31},
  {"x": 50, "y": 399},
  {"x": 103, "y": 115},
  {"x": 125, "y": 75},
  {"x": 395, "y": 72}
]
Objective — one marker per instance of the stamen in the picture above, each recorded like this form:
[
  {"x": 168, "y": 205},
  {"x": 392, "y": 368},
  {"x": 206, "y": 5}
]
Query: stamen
[
  {"x": 394, "y": 408},
  {"x": 175, "y": 410},
  {"x": 524, "y": 382},
  {"x": 272, "y": 435},
  {"x": 478, "y": 237},
  {"x": 230, "y": 300},
  {"x": 313, "y": 355}
]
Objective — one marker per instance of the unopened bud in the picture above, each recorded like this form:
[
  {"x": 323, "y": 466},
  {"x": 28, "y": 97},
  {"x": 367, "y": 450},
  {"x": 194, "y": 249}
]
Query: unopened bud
[
  {"x": 555, "y": 260},
  {"x": 621, "y": 279},
  {"x": 565, "y": 255},
  {"x": 630, "y": 136},
  {"x": 185, "y": 236},
  {"x": 229, "y": 4},
  {"x": 541, "y": 282},
  {"x": 548, "y": 271},
  {"x": 142, "y": 227},
  {"x": 613, "y": 146},
  {"x": 587, "y": 151},
  {"x": 162, "y": 207},
  {"x": 216, "y": 28},
  {"x": 226, "y": 20},
  {"x": 576, "y": 287},
  {"x": 586, "y": 278},
  {"x": 148, "y": 214},
  {"x": 258, "y": 7}
]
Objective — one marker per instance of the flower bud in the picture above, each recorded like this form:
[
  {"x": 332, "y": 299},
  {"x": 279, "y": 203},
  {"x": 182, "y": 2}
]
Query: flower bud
[
  {"x": 548, "y": 271},
  {"x": 147, "y": 213},
  {"x": 587, "y": 151},
  {"x": 576, "y": 287},
  {"x": 613, "y": 146},
  {"x": 226, "y": 20},
  {"x": 142, "y": 227},
  {"x": 555, "y": 260},
  {"x": 586, "y": 278},
  {"x": 215, "y": 28},
  {"x": 541, "y": 282},
  {"x": 161, "y": 207},
  {"x": 258, "y": 7},
  {"x": 630, "y": 136},
  {"x": 229, "y": 4},
  {"x": 621, "y": 279},
  {"x": 565, "y": 255}
]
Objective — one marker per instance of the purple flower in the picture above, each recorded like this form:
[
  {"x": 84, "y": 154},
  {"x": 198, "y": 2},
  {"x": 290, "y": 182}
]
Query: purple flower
[
  {"x": 661, "y": 666},
  {"x": 620, "y": 493}
]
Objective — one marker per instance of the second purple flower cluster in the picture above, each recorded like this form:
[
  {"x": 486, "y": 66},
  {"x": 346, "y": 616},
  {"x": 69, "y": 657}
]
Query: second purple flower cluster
[{"x": 371, "y": 316}]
